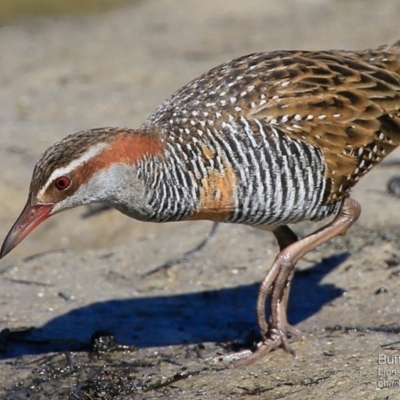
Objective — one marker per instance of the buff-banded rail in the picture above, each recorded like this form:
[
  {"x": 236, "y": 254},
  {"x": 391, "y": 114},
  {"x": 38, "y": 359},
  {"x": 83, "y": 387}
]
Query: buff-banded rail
[{"x": 265, "y": 140}]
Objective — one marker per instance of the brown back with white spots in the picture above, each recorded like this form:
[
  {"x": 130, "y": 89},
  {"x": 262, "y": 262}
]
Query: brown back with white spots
[{"x": 344, "y": 103}]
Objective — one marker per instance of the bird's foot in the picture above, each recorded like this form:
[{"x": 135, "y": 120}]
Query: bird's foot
[{"x": 274, "y": 339}]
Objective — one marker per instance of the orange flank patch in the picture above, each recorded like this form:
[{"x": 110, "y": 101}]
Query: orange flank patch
[{"x": 217, "y": 196}]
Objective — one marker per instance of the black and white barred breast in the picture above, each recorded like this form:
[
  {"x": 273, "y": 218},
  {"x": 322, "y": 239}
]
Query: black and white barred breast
[{"x": 273, "y": 138}]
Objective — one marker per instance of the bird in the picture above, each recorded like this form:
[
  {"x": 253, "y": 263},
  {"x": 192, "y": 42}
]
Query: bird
[{"x": 265, "y": 140}]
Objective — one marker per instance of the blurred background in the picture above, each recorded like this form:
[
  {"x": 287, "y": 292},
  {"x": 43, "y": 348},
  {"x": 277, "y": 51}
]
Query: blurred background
[{"x": 69, "y": 65}]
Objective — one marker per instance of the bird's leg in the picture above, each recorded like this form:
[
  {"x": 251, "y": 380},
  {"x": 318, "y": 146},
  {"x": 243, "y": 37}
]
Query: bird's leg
[
  {"x": 277, "y": 280},
  {"x": 285, "y": 237}
]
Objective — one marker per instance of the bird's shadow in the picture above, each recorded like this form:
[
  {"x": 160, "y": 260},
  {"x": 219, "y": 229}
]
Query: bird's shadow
[{"x": 218, "y": 316}]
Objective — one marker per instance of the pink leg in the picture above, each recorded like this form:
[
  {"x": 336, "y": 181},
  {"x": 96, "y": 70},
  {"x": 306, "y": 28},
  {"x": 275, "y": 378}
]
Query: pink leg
[
  {"x": 285, "y": 237},
  {"x": 277, "y": 281}
]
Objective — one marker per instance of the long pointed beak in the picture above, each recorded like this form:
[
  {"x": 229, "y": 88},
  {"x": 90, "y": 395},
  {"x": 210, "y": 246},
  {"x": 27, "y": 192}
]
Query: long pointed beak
[{"x": 30, "y": 218}]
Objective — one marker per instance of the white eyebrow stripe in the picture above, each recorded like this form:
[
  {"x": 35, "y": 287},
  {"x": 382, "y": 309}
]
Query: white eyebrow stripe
[{"x": 85, "y": 157}]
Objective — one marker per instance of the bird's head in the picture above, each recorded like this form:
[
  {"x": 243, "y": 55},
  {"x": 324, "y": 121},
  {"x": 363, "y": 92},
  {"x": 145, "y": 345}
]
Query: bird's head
[{"x": 94, "y": 166}]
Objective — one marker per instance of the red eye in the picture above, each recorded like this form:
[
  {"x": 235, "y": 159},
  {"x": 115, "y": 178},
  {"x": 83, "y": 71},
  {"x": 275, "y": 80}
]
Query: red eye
[{"x": 63, "y": 182}]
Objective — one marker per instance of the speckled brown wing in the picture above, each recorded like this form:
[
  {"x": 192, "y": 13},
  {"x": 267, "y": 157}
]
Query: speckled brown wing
[{"x": 345, "y": 103}]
